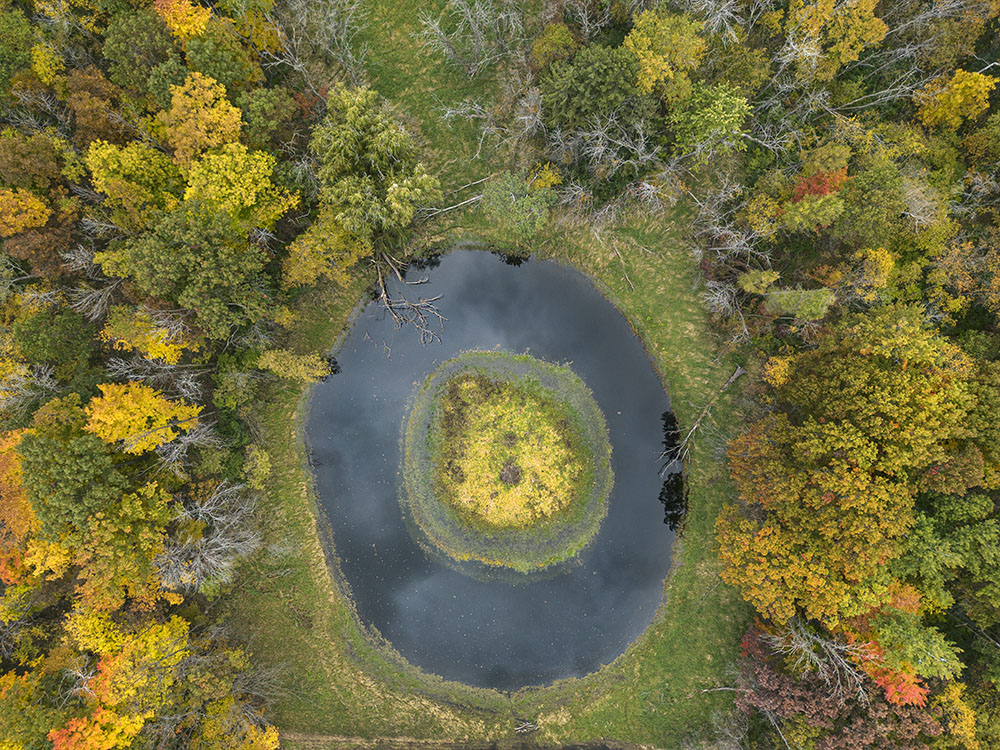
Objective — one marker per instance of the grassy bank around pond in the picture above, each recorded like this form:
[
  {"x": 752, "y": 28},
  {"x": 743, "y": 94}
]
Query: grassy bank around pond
[
  {"x": 341, "y": 681},
  {"x": 293, "y": 611},
  {"x": 655, "y": 693}
]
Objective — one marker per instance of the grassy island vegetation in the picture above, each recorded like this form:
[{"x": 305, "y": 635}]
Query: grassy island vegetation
[
  {"x": 507, "y": 462},
  {"x": 505, "y": 457}
]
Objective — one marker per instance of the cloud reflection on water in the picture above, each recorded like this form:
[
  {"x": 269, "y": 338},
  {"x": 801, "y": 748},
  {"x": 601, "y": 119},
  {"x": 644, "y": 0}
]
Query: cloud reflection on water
[{"x": 491, "y": 633}]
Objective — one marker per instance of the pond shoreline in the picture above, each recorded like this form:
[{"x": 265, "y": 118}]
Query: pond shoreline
[
  {"x": 434, "y": 683},
  {"x": 449, "y": 709},
  {"x": 483, "y": 631}
]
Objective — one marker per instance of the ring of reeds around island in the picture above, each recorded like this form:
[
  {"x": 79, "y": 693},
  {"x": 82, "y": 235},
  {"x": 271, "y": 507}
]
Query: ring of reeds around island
[{"x": 506, "y": 465}]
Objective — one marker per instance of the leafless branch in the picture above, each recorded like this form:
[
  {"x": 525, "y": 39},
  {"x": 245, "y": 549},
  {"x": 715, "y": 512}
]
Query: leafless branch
[
  {"x": 476, "y": 34},
  {"x": 835, "y": 663},
  {"x": 191, "y": 560},
  {"x": 421, "y": 314},
  {"x": 680, "y": 451}
]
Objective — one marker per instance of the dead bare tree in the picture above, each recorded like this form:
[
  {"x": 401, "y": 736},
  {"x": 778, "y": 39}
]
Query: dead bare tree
[
  {"x": 729, "y": 731},
  {"x": 36, "y": 110},
  {"x": 720, "y": 17},
  {"x": 680, "y": 452},
  {"x": 654, "y": 193},
  {"x": 80, "y": 259},
  {"x": 182, "y": 381},
  {"x": 93, "y": 303},
  {"x": 173, "y": 456},
  {"x": 591, "y": 16},
  {"x": 172, "y": 322},
  {"x": 319, "y": 32},
  {"x": 525, "y": 727},
  {"x": 101, "y": 228},
  {"x": 19, "y": 389},
  {"x": 491, "y": 123},
  {"x": 11, "y": 275},
  {"x": 717, "y": 231},
  {"x": 915, "y": 31},
  {"x": 528, "y": 113},
  {"x": 508, "y": 123},
  {"x": 609, "y": 146},
  {"x": 18, "y": 615},
  {"x": 979, "y": 190},
  {"x": 723, "y": 301},
  {"x": 835, "y": 663},
  {"x": 476, "y": 34},
  {"x": 924, "y": 205},
  {"x": 905, "y": 62},
  {"x": 225, "y": 534},
  {"x": 421, "y": 314},
  {"x": 800, "y": 55},
  {"x": 42, "y": 297},
  {"x": 75, "y": 683},
  {"x": 250, "y": 688}
]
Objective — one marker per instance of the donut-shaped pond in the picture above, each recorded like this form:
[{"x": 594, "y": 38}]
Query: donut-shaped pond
[{"x": 492, "y": 632}]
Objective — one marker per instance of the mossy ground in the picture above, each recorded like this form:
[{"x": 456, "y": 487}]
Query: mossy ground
[
  {"x": 507, "y": 456},
  {"x": 507, "y": 465},
  {"x": 340, "y": 683}
]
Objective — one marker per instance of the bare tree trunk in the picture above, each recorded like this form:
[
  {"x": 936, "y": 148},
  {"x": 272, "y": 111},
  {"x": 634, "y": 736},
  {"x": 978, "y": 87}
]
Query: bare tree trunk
[{"x": 680, "y": 452}]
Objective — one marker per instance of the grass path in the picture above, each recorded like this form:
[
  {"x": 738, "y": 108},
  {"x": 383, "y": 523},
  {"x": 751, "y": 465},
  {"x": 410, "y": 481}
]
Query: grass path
[
  {"x": 421, "y": 84},
  {"x": 295, "y": 614}
]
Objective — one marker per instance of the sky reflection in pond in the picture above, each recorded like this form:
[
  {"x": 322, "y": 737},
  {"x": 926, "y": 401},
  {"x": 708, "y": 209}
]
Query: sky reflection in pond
[{"x": 492, "y": 633}]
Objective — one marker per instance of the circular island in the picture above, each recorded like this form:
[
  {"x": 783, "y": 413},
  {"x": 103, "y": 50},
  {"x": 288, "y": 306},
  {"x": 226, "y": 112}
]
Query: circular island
[{"x": 507, "y": 464}]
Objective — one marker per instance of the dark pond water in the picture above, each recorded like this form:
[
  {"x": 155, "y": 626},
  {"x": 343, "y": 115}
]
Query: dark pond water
[{"x": 492, "y": 633}]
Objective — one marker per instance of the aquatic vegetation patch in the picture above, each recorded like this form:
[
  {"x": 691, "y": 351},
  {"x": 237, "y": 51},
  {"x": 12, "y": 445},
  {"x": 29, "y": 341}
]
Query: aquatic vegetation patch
[{"x": 507, "y": 464}]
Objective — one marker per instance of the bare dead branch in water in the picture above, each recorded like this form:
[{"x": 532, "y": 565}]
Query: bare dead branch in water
[{"x": 420, "y": 313}]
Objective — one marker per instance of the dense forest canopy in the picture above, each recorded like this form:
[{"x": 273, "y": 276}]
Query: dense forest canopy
[{"x": 175, "y": 177}]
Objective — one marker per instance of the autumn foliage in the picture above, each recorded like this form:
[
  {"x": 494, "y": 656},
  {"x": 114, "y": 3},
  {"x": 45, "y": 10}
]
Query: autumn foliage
[
  {"x": 821, "y": 183},
  {"x": 138, "y": 417}
]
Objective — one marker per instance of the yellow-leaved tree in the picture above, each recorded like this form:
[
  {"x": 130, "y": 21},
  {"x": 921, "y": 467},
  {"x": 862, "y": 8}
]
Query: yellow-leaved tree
[
  {"x": 138, "y": 417},
  {"x": 825, "y": 35},
  {"x": 666, "y": 46},
  {"x": 200, "y": 117},
  {"x": 324, "y": 250},
  {"x": 130, "y": 330},
  {"x": 137, "y": 179},
  {"x": 964, "y": 96},
  {"x": 184, "y": 18},
  {"x": 308, "y": 368},
  {"x": 46, "y": 63},
  {"x": 19, "y": 210},
  {"x": 235, "y": 181}
]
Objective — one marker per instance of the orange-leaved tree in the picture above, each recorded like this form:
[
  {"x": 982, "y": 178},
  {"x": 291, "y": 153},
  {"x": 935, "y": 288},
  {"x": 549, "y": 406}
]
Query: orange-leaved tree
[{"x": 827, "y": 481}]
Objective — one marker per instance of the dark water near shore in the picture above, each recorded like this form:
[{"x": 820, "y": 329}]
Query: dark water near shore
[{"x": 492, "y": 633}]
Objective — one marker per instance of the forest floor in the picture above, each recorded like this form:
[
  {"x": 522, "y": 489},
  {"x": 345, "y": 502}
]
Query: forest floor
[{"x": 294, "y": 611}]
